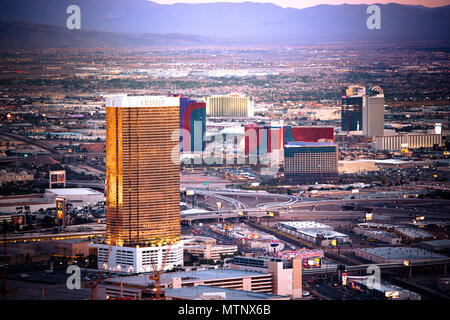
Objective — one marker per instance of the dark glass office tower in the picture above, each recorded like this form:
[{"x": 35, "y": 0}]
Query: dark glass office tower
[{"x": 352, "y": 108}]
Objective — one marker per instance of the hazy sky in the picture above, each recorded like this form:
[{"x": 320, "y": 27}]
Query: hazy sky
[{"x": 309, "y": 3}]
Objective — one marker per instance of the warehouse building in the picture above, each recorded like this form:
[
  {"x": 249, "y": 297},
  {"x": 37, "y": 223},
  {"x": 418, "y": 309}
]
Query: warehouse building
[
  {"x": 396, "y": 254},
  {"x": 314, "y": 232}
]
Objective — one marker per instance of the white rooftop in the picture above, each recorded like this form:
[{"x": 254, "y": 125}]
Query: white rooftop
[
  {"x": 306, "y": 225},
  {"x": 73, "y": 191},
  {"x": 388, "y": 287},
  {"x": 391, "y": 161},
  {"x": 312, "y": 229},
  {"x": 193, "y": 211},
  {"x": 123, "y": 101}
]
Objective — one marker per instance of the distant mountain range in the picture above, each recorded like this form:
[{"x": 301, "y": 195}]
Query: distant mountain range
[
  {"x": 29, "y": 35},
  {"x": 142, "y": 23}
]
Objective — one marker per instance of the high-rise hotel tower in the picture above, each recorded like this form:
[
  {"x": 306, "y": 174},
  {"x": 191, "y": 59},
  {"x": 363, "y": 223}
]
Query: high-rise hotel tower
[
  {"x": 352, "y": 107},
  {"x": 363, "y": 110},
  {"x": 373, "y": 112},
  {"x": 233, "y": 105},
  {"x": 142, "y": 183}
]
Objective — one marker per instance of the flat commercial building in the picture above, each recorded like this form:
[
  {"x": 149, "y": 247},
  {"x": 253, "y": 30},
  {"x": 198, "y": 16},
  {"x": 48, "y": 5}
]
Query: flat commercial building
[
  {"x": 287, "y": 275},
  {"x": 310, "y": 259},
  {"x": 133, "y": 286},
  {"x": 310, "y": 162},
  {"x": 75, "y": 196},
  {"x": 379, "y": 235},
  {"x": 436, "y": 245},
  {"x": 314, "y": 232},
  {"x": 385, "y": 291},
  {"x": 396, "y": 254},
  {"x": 412, "y": 233},
  {"x": 70, "y": 247},
  {"x": 251, "y": 238},
  {"x": 142, "y": 183},
  {"x": 408, "y": 141},
  {"x": 8, "y": 176},
  {"x": 409, "y": 233},
  {"x": 229, "y": 106},
  {"x": 210, "y": 251},
  {"x": 213, "y": 293},
  {"x": 259, "y": 264}
]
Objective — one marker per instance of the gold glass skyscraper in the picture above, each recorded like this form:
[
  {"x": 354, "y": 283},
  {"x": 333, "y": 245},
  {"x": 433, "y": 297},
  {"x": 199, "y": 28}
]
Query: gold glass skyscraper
[{"x": 142, "y": 175}]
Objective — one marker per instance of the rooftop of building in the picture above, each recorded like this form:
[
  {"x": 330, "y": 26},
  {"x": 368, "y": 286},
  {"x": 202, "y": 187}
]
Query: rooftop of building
[
  {"x": 73, "y": 191},
  {"x": 210, "y": 292},
  {"x": 391, "y": 161},
  {"x": 301, "y": 253},
  {"x": 309, "y": 144},
  {"x": 438, "y": 244},
  {"x": 402, "y": 253},
  {"x": 193, "y": 211},
  {"x": 312, "y": 229},
  {"x": 143, "y": 279},
  {"x": 380, "y": 232},
  {"x": 124, "y": 101},
  {"x": 213, "y": 246},
  {"x": 231, "y": 95},
  {"x": 67, "y": 241},
  {"x": 409, "y": 231},
  {"x": 306, "y": 225},
  {"x": 388, "y": 287},
  {"x": 414, "y": 233}
]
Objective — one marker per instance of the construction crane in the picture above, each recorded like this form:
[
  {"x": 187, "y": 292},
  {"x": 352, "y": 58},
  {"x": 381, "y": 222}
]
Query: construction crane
[
  {"x": 156, "y": 275},
  {"x": 93, "y": 284}
]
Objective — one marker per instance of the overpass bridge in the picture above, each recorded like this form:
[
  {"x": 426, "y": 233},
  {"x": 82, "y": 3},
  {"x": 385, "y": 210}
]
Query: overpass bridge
[
  {"x": 261, "y": 211},
  {"x": 362, "y": 268},
  {"x": 34, "y": 237}
]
